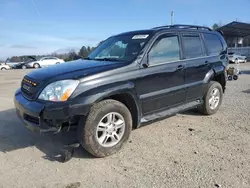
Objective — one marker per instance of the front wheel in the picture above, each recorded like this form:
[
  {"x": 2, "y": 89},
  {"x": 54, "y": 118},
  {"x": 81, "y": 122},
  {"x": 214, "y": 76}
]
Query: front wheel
[
  {"x": 212, "y": 99},
  {"x": 106, "y": 128},
  {"x": 3, "y": 68}
]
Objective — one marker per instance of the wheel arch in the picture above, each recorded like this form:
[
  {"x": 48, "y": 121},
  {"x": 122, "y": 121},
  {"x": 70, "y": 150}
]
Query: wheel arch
[
  {"x": 129, "y": 101},
  {"x": 217, "y": 74},
  {"x": 122, "y": 92}
]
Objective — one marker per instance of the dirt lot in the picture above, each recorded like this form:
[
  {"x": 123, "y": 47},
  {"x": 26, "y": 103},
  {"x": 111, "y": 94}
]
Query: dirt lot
[{"x": 186, "y": 150}]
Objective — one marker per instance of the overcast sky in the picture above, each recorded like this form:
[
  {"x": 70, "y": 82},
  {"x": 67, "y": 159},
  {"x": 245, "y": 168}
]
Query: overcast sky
[{"x": 30, "y": 27}]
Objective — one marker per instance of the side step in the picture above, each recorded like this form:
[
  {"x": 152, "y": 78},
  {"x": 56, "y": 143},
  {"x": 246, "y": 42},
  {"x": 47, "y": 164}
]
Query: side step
[{"x": 171, "y": 111}]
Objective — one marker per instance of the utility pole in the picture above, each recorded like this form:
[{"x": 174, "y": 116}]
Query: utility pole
[{"x": 172, "y": 18}]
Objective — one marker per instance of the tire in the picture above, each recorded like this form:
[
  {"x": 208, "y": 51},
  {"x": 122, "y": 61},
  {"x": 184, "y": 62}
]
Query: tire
[
  {"x": 88, "y": 135},
  {"x": 24, "y": 67},
  {"x": 230, "y": 78},
  {"x": 235, "y": 77},
  {"x": 206, "y": 108},
  {"x": 3, "y": 69},
  {"x": 36, "y": 66},
  {"x": 236, "y": 61},
  {"x": 57, "y": 63}
]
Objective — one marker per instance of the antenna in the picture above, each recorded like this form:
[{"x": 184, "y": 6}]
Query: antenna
[{"x": 172, "y": 17}]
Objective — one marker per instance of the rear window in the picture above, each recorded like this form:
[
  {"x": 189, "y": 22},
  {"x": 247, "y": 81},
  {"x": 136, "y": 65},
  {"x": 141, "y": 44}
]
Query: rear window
[
  {"x": 192, "y": 46},
  {"x": 230, "y": 53},
  {"x": 213, "y": 44}
]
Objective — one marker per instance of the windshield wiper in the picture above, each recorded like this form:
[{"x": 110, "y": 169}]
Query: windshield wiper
[
  {"x": 107, "y": 59},
  {"x": 87, "y": 58}
]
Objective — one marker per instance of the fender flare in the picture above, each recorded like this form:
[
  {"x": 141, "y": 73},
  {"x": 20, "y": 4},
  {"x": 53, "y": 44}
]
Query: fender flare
[{"x": 99, "y": 94}]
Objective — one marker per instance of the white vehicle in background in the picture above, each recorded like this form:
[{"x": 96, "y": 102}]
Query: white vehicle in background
[
  {"x": 236, "y": 58},
  {"x": 44, "y": 62},
  {"x": 4, "y": 66}
]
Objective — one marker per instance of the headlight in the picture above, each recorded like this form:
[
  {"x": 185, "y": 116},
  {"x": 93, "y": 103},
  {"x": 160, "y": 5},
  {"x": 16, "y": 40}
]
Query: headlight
[{"x": 59, "y": 91}]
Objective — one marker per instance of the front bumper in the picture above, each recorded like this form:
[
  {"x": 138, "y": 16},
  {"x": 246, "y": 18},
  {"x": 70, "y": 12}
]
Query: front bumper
[{"x": 36, "y": 114}]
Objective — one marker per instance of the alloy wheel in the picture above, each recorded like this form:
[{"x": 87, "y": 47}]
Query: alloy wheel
[
  {"x": 214, "y": 99},
  {"x": 110, "y": 129}
]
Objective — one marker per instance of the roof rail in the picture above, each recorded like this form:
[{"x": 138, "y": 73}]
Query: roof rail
[{"x": 180, "y": 26}]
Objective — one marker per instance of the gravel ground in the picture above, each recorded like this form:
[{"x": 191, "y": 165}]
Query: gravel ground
[{"x": 186, "y": 150}]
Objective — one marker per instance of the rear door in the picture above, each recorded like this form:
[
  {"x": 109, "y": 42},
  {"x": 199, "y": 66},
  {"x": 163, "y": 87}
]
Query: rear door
[
  {"x": 161, "y": 83},
  {"x": 197, "y": 65}
]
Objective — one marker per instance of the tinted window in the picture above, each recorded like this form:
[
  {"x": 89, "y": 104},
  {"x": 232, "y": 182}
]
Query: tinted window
[
  {"x": 231, "y": 53},
  {"x": 165, "y": 49},
  {"x": 213, "y": 44},
  {"x": 192, "y": 46}
]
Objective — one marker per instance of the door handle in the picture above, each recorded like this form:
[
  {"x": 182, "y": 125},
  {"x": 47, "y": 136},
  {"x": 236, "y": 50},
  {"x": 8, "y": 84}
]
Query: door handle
[{"x": 180, "y": 67}]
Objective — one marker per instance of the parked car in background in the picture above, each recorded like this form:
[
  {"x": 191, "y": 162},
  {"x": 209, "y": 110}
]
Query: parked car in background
[
  {"x": 45, "y": 61},
  {"x": 38, "y": 63},
  {"x": 4, "y": 66},
  {"x": 27, "y": 64},
  {"x": 12, "y": 64},
  {"x": 236, "y": 58}
]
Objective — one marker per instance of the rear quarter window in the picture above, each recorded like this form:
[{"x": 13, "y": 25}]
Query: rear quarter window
[
  {"x": 213, "y": 43},
  {"x": 192, "y": 46}
]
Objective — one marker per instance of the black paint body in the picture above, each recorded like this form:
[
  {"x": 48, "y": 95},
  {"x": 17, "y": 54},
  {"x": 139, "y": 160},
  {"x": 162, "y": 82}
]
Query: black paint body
[{"x": 152, "y": 89}]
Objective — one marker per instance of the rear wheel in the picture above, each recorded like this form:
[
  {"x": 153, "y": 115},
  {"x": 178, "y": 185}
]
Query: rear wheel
[
  {"x": 24, "y": 67},
  {"x": 212, "y": 99},
  {"x": 3, "y": 68},
  {"x": 235, "y": 77},
  {"x": 106, "y": 128}
]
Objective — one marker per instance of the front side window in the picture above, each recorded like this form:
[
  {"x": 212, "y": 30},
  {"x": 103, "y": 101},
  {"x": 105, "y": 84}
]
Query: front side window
[
  {"x": 166, "y": 49},
  {"x": 192, "y": 46},
  {"x": 121, "y": 48},
  {"x": 213, "y": 44}
]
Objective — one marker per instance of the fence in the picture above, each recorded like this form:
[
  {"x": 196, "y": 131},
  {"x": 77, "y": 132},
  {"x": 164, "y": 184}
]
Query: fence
[{"x": 241, "y": 50}]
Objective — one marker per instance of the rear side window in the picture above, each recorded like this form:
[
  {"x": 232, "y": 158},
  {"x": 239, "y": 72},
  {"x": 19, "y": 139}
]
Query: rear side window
[
  {"x": 192, "y": 46},
  {"x": 213, "y": 44}
]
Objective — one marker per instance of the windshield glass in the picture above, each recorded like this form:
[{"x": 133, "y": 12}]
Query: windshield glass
[{"x": 123, "y": 48}]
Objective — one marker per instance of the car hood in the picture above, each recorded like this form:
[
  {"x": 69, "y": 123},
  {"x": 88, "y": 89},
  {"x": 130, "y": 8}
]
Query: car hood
[{"x": 74, "y": 69}]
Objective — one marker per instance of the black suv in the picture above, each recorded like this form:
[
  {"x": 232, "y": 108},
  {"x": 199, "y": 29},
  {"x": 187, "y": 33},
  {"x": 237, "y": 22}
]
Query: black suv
[{"x": 128, "y": 80}]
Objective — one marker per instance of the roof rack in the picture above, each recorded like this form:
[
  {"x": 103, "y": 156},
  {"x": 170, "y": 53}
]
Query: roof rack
[{"x": 179, "y": 26}]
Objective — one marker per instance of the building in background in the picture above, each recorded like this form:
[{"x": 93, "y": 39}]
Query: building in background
[{"x": 237, "y": 36}]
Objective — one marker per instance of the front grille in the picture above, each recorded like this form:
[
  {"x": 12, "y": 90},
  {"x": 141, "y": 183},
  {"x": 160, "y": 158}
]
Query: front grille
[{"x": 29, "y": 88}]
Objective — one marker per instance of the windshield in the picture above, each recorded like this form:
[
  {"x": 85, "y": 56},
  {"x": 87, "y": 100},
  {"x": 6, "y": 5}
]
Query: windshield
[{"x": 123, "y": 48}]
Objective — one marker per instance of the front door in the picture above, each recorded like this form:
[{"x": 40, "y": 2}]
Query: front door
[{"x": 161, "y": 83}]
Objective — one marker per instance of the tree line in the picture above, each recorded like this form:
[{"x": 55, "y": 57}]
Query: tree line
[{"x": 68, "y": 56}]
